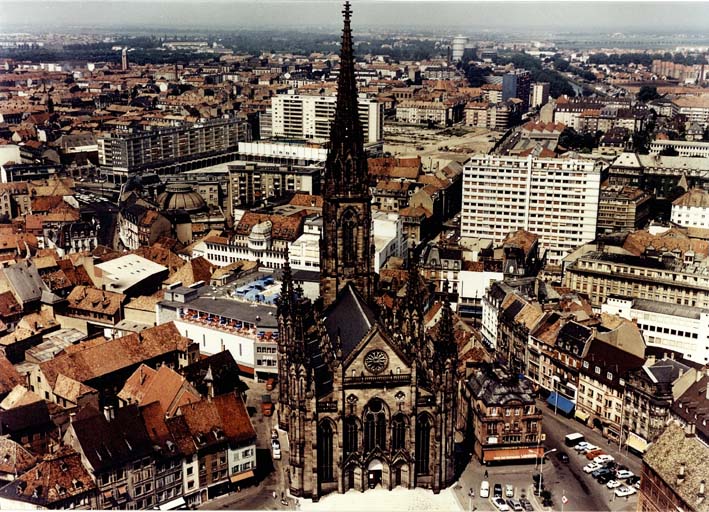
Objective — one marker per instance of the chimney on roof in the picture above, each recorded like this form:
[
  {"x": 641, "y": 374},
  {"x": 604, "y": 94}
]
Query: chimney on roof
[
  {"x": 689, "y": 430},
  {"x": 209, "y": 380},
  {"x": 680, "y": 473}
]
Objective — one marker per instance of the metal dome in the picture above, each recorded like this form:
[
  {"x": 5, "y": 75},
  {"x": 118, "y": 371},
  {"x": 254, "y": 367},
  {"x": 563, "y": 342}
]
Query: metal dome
[{"x": 180, "y": 196}]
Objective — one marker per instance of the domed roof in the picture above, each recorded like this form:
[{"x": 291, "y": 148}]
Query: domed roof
[{"x": 180, "y": 196}]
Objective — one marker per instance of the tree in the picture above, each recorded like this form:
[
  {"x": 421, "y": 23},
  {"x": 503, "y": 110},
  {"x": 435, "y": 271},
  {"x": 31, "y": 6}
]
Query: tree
[{"x": 647, "y": 93}]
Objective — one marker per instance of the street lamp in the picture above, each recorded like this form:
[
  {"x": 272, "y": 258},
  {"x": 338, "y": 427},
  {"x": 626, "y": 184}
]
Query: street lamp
[{"x": 541, "y": 469}]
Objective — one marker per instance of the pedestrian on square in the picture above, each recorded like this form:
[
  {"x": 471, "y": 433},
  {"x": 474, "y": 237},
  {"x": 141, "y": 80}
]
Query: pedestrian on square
[{"x": 486, "y": 473}]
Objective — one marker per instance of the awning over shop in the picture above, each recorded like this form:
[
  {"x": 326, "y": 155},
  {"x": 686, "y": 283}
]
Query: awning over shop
[
  {"x": 513, "y": 454},
  {"x": 241, "y": 476},
  {"x": 172, "y": 505},
  {"x": 561, "y": 403},
  {"x": 580, "y": 415},
  {"x": 636, "y": 443}
]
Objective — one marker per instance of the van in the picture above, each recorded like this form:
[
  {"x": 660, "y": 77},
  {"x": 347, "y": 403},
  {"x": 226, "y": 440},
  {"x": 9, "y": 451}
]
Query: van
[
  {"x": 574, "y": 439},
  {"x": 485, "y": 489}
]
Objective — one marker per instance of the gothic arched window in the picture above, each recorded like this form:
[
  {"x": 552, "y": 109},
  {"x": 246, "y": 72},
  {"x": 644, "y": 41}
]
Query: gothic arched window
[
  {"x": 423, "y": 444},
  {"x": 348, "y": 223},
  {"x": 325, "y": 464},
  {"x": 375, "y": 426},
  {"x": 351, "y": 436},
  {"x": 398, "y": 434}
]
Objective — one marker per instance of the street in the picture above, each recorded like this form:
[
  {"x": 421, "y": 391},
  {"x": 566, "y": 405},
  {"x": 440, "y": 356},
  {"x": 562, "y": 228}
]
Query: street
[
  {"x": 270, "y": 475},
  {"x": 562, "y": 479}
]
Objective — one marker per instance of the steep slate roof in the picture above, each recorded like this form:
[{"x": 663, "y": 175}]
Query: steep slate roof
[
  {"x": 25, "y": 281},
  {"x": 224, "y": 370},
  {"x": 106, "y": 444},
  {"x": 349, "y": 317}
]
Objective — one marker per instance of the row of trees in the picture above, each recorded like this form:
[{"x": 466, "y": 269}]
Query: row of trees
[{"x": 646, "y": 58}]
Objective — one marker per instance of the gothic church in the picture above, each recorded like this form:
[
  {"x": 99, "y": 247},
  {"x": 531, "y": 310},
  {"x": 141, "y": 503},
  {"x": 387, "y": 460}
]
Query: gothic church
[{"x": 367, "y": 396}]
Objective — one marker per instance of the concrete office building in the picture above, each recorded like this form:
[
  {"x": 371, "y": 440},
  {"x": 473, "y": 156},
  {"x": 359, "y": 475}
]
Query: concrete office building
[
  {"x": 170, "y": 150},
  {"x": 298, "y": 116},
  {"x": 680, "y": 328},
  {"x": 554, "y": 198}
]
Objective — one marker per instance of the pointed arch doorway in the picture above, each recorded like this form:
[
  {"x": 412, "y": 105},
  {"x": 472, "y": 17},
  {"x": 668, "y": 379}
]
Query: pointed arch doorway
[{"x": 374, "y": 473}]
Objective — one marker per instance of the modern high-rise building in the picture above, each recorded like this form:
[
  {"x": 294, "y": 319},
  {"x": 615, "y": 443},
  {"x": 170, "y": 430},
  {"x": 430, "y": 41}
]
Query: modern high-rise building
[
  {"x": 458, "y": 48},
  {"x": 171, "y": 150},
  {"x": 124, "y": 59},
  {"x": 540, "y": 94},
  {"x": 517, "y": 84},
  {"x": 555, "y": 198},
  {"x": 299, "y": 116}
]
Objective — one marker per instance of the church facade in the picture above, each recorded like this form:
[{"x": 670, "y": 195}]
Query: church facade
[{"x": 366, "y": 395}]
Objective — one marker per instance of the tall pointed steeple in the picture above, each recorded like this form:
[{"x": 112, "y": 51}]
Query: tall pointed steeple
[
  {"x": 346, "y": 169},
  {"x": 346, "y": 243}
]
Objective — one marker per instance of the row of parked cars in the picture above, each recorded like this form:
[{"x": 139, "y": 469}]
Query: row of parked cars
[
  {"x": 603, "y": 468},
  {"x": 502, "y": 504}
]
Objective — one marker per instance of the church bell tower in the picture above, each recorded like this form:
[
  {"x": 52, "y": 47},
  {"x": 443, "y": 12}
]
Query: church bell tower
[{"x": 346, "y": 242}]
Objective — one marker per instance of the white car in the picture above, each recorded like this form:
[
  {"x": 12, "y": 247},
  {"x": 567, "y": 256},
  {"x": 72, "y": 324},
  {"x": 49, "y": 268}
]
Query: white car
[
  {"x": 589, "y": 448},
  {"x": 591, "y": 467},
  {"x": 582, "y": 446},
  {"x": 621, "y": 492},
  {"x": 500, "y": 504},
  {"x": 276, "y": 446},
  {"x": 509, "y": 491},
  {"x": 613, "y": 484},
  {"x": 623, "y": 474},
  {"x": 603, "y": 459},
  {"x": 485, "y": 489}
]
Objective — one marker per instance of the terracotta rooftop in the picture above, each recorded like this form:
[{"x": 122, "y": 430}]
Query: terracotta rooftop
[
  {"x": 286, "y": 228},
  {"x": 103, "y": 358},
  {"x": 94, "y": 300},
  {"x": 164, "y": 385}
]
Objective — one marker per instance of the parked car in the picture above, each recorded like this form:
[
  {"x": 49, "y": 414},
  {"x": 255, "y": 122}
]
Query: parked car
[
  {"x": 601, "y": 472},
  {"x": 591, "y": 467},
  {"x": 270, "y": 383},
  {"x": 612, "y": 484},
  {"x": 624, "y": 474},
  {"x": 509, "y": 491},
  {"x": 594, "y": 453},
  {"x": 604, "y": 458},
  {"x": 485, "y": 489},
  {"x": 276, "y": 446},
  {"x": 500, "y": 504},
  {"x": 621, "y": 492},
  {"x": 632, "y": 480},
  {"x": 582, "y": 446},
  {"x": 266, "y": 405},
  {"x": 526, "y": 504},
  {"x": 497, "y": 491},
  {"x": 274, "y": 433},
  {"x": 515, "y": 505},
  {"x": 588, "y": 448},
  {"x": 605, "y": 478},
  {"x": 637, "y": 485},
  {"x": 563, "y": 457}
]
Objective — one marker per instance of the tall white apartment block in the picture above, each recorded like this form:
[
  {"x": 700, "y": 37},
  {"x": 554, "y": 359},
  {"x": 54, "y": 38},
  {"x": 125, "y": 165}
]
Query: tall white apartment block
[
  {"x": 540, "y": 94},
  {"x": 555, "y": 198},
  {"x": 299, "y": 116}
]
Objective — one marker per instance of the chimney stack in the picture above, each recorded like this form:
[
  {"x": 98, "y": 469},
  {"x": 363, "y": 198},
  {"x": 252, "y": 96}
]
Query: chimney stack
[
  {"x": 107, "y": 412},
  {"x": 702, "y": 489},
  {"x": 680, "y": 473}
]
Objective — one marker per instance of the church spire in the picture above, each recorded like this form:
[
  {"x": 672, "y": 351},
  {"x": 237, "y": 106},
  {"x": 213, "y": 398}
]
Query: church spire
[
  {"x": 346, "y": 245},
  {"x": 346, "y": 169},
  {"x": 285, "y": 301}
]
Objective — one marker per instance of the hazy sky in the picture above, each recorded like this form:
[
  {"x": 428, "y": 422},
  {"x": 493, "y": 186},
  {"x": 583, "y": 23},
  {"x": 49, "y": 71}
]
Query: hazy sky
[{"x": 238, "y": 14}]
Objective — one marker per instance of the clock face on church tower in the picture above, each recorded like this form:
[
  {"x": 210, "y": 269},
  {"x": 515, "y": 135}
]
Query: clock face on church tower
[{"x": 376, "y": 361}]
